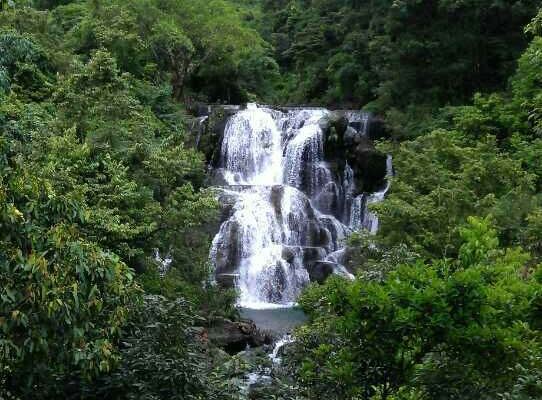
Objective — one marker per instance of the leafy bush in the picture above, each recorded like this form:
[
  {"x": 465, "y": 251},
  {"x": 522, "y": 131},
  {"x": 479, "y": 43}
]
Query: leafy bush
[{"x": 445, "y": 329}]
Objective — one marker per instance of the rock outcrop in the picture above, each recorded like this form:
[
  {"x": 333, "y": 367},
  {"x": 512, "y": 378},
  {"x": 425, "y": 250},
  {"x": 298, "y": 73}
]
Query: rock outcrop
[{"x": 352, "y": 142}]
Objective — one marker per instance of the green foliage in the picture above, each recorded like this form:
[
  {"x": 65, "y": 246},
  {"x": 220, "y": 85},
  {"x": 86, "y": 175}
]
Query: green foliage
[
  {"x": 202, "y": 48},
  {"x": 529, "y": 381},
  {"x": 95, "y": 182},
  {"x": 461, "y": 320},
  {"x": 97, "y": 187},
  {"x": 395, "y": 54},
  {"x": 371, "y": 261},
  {"x": 479, "y": 159},
  {"x": 23, "y": 65},
  {"x": 445, "y": 329},
  {"x": 63, "y": 299},
  {"x": 163, "y": 357},
  {"x": 442, "y": 178}
]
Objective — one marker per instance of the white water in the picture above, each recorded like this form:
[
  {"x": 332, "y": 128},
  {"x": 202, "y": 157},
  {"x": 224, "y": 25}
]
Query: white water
[
  {"x": 251, "y": 149},
  {"x": 288, "y": 204},
  {"x": 274, "y": 356}
]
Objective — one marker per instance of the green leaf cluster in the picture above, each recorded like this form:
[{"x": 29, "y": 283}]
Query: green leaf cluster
[{"x": 451, "y": 328}]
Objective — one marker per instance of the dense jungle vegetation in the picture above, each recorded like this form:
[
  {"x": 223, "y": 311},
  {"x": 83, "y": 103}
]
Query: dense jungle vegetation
[{"x": 98, "y": 182}]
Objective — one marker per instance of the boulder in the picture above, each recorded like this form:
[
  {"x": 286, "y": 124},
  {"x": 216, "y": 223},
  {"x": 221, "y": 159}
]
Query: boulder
[
  {"x": 328, "y": 200},
  {"x": 377, "y": 128},
  {"x": 352, "y": 137},
  {"x": 336, "y": 121},
  {"x": 342, "y": 141},
  {"x": 235, "y": 336},
  {"x": 226, "y": 201},
  {"x": 215, "y": 177},
  {"x": 277, "y": 193},
  {"x": 307, "y": 253},
  {"x": 200, "y": 109},
  {"x": 209, "y": 135},
  {"x": 320, "y": 270}
]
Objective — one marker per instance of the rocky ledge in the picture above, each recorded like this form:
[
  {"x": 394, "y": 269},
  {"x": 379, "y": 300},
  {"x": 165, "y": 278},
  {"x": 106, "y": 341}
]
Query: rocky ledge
[{"x": 235, "y": 336}]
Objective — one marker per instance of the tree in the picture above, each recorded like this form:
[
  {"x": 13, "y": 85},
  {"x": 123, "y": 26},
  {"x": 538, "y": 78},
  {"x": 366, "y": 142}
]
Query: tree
[
  {"x": 163, "y": 356},
  {"x": 63, "y": 299},
  {"x": 445, "y": 329}
]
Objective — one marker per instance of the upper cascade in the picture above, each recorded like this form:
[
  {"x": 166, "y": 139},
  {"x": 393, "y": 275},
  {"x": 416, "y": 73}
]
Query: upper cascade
[
  {"x": 251, "y": 149},
  {"x": 292, "y": 207}
]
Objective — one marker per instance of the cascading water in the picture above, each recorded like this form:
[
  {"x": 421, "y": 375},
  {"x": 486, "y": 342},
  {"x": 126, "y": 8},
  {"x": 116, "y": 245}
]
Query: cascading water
[{"x": 290, "y": 212}]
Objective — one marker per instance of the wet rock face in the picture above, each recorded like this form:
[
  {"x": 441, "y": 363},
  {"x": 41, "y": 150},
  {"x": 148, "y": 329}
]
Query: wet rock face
[
  {"x": 377, "y": 128},
  {"x": 329, "y": 199},
  {"x": 368, "y": 164},
  {"x": 226, "y": 200},
  {"x": 352, "y": 142},
  {"x": 228, "y": 253},
  {"x": 226, "y": 281},
  {"x": 293, "y": 185},
  {"x": 319, "y": 271},
  {"x": 334, "y": 126},
  {"x": 207, "y": 130},
  {"x": 343, "y": 140}
]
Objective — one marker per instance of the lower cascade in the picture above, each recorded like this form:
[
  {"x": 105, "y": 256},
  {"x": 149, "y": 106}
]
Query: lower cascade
[{"x": 292, "y": 202}]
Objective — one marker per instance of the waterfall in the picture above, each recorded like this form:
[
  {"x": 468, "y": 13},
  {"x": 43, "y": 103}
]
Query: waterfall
[
  {"x": 251, "y": 148},
  {"x": 290, "y": 212}
]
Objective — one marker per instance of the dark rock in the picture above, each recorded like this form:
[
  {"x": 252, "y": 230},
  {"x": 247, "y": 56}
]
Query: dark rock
[
  {"x": 334, "y": 126},
  {"x": 227, "y": 280},
  {"x": 328, "y": 200},
  {"x": 368, "y": 164},
  {"x": 353, "y": 143},
  {"x": 209, "y": 140},
  {"x": 306, "y": 253},
  {"x": 312, "y": 253},
  {"x": 316, "y": 235},
  {"x": 201, "y": 109},
  {"x": 228, "y": 251},
  {"x": 334, "y": 232},
  {"x": 352, "y": 137},
  {"x": 235, "y": 336},
  {"x": 289, "y": 253},
  {"x": 335, "y": 123},
  {"x": 339, "y": 122},
  {"x": 277, "y": 192},
  {"x": 215, "y": 177},
  {"x": 319, "y": 271},
  {"x": 226, "y": 201},
  {"x": 376, "y": 128}
]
